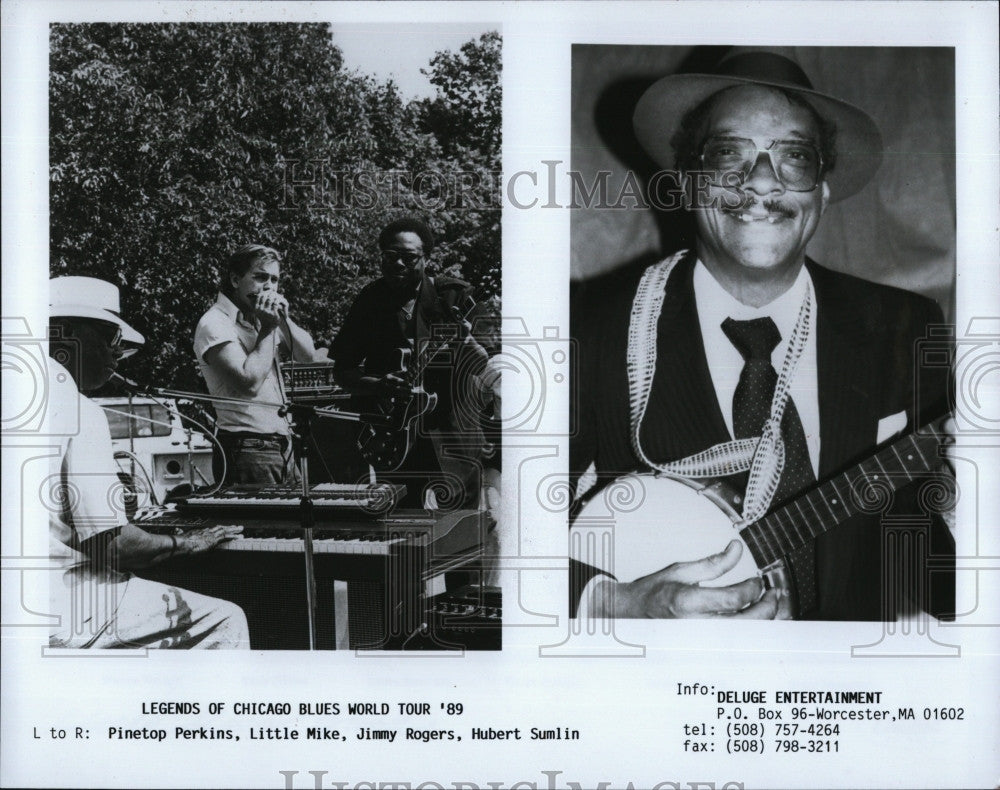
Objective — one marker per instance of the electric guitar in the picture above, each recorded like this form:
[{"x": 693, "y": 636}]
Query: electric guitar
[
  {"x": 386, "y": 444},
  {"x": 643, "y": 522}
]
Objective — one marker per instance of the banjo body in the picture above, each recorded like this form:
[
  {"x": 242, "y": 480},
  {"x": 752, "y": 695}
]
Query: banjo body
[
  {"x": 644, "y": 522},
  {"x": 641, "y": 523}
]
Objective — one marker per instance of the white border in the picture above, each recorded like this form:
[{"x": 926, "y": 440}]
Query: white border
[{"x": 631, "y": 720}]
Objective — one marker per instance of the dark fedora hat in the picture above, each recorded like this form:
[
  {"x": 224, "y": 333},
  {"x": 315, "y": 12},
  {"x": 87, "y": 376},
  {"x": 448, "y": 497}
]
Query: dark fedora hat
[{"x": 660, "y": 109}]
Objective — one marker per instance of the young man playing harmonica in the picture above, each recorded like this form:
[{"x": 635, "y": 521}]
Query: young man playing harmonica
[{"x": 238, "y": 344}]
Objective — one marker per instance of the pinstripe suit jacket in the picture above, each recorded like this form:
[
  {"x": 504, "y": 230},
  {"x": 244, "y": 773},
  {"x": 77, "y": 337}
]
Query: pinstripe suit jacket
[{"x": 868, "y": 338}]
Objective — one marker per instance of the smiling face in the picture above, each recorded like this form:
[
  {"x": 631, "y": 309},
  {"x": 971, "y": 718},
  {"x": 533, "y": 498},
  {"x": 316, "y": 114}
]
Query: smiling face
[
  {"x": 402, "y": 260},
  {"x": 261, "y": 276},
  {"x": 756, "y": 250}
]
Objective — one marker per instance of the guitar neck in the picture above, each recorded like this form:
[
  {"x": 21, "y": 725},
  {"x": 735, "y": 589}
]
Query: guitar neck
[
  {"x": 427, "y": 353},
  {"x": 833, "y": 502},
  {"x": 431, "y": 348}
]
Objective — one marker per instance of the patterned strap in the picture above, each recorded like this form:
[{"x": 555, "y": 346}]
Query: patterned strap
[
  {"x": 640, "y": 359},
  {"x": 763, "y": 456},
  {"x": 718, "y": 461},
  {"x": 769, "y": 460}
]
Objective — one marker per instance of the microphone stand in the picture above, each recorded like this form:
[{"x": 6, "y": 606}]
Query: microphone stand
[
  {"x": 301, "y": 431},
  {"x": 301, "y": 417},
  {"x": 320, "y": 411}
]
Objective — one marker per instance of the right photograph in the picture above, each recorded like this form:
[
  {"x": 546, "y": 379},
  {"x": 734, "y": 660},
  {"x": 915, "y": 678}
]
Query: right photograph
[{"x": 762, "y": 307}]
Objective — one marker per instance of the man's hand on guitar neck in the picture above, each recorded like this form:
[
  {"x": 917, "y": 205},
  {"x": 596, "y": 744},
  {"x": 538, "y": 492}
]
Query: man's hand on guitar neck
[
  {"x": 469, "y": 344},
  {"x": 392, "y": 383},
  {"x": 675, "y": 592},
  {"x": 389, "y": 384}
]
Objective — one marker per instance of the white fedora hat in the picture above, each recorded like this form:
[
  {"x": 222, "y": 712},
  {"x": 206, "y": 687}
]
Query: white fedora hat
[
  {"x": 88, "y": 297},
  {"x": 858, "y": 141}
]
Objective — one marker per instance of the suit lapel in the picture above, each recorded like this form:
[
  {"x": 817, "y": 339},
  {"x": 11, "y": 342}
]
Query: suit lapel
[
  {"x": 846, "y": 346},
  {"x": 683, "y": 416}
]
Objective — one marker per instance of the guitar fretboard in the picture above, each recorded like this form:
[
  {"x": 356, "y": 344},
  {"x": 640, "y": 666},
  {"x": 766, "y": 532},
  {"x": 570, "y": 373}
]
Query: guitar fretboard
[
  {"x": 859, "y": 489},
  {"x": 430, "y": 349},
  {"x": 440, "y": 337}
]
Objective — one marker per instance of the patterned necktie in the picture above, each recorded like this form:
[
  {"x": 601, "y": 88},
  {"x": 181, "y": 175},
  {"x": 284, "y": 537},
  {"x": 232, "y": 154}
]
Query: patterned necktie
[{"x": 755, "y": 340}]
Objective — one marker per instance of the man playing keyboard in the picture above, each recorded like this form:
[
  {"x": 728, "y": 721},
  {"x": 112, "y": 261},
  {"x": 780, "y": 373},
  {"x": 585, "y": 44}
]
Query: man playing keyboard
[{"x": 101, "y": 604}]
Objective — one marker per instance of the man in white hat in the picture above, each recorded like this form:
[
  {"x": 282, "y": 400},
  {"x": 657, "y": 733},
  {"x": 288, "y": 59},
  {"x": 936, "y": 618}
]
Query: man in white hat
[
  {"x": 744, "y": 337},
  {"x": 100, "y": 602}
]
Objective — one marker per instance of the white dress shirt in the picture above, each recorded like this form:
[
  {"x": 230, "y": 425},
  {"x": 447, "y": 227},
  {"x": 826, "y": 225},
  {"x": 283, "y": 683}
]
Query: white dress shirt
[{"x": 725, "y": 363}]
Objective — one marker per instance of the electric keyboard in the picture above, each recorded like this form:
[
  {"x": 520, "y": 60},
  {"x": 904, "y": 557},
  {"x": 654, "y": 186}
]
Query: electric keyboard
[
  {"x": 442, "y": 536},
  {"x": 386, "y": 562},
  {"x": 329, "y": 500},
  {"x": 272, "y": 537}
]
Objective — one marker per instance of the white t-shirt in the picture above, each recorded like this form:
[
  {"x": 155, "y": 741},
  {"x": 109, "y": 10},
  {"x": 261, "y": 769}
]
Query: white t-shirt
[{"x": 224, "y": 323}]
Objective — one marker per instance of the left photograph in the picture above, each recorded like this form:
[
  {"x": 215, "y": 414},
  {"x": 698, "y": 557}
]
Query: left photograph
[{"x": 274, "y": 300}]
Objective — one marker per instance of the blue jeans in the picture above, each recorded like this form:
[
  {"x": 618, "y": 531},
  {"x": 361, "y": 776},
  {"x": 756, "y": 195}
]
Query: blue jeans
[{"x": 256, "y": 459}]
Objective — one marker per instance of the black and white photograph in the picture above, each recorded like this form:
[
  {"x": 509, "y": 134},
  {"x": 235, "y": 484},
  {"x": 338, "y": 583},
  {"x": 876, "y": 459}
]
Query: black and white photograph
[
  {"x": 500, "y": 396},
  {"x": 278, "y": 278},
  {"x": 777, "y": 344}
]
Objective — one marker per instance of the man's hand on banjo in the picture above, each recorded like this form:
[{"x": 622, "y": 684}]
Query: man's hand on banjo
[{"x": 675, "y": 592}]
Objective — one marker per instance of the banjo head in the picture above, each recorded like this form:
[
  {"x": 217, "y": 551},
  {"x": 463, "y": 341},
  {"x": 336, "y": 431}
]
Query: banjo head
[{"x": 641, "y": 523}]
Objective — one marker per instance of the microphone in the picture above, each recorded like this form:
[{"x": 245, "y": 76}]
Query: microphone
[{"x": 133, "y": 385}]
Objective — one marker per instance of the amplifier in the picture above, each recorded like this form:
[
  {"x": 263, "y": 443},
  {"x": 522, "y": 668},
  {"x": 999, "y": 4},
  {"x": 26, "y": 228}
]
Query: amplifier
[
  {"x": 312, "y": 381},
  {"x": 469, "y": 617}
]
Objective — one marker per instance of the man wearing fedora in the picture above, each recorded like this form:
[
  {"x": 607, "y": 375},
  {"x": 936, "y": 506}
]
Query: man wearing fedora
[
  {"x": 744, "y": 337},
  {"x": 99, "y": 601}
]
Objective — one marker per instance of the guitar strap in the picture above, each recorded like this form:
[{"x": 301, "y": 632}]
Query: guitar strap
[{"x": 763, "y": 456}]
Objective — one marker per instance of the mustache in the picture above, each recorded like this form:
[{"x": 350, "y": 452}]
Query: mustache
[{"x": 771, "y": 206}]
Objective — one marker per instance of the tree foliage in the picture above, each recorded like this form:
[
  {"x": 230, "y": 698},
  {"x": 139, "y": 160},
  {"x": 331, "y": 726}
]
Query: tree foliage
[
  {"x": 465, "y": 119},
  {"x": 466, "y": 112},
  {"x": 173, "y": 144}
]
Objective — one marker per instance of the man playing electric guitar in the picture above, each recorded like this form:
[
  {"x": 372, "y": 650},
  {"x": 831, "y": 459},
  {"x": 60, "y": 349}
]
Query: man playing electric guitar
[
  {"x": 406, "y": 351},
  {"x": 741, "y": 359}
]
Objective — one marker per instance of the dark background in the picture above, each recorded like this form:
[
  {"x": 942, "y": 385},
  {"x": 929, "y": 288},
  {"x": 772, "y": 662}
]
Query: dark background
[{"x": 900, "y": 229}]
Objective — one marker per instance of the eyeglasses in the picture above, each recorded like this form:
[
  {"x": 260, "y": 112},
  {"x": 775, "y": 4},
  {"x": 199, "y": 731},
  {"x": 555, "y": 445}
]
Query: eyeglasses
[
  {"x": 408, "y": 258},
  {"x": 109, "y": 333},
  {"x": 797, "y": 163}
]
